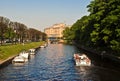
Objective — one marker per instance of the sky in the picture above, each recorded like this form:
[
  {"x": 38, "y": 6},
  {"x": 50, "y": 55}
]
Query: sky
[{"x": 40, "y": 14}]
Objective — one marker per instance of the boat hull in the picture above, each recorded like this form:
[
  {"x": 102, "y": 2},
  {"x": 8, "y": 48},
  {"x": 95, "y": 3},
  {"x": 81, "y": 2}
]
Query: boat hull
[
  {"x": 82, "y": 60},
  {"x": 18, "y": 59},
  {"x": 31, "y": 51},
  {"x": 82, "y": 64},
  {"x": 24, "y": 54}
]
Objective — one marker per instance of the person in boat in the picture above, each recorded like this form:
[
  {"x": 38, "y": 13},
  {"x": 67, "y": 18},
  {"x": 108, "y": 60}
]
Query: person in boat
[
  {"x": 85, "y": 58},
  {"x": 77, "y": 57},
  {"x": 82, "y": 57}
]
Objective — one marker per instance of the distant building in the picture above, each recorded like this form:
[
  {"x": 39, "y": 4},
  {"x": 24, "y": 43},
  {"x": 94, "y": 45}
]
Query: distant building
[{"x": 54, "y": 33}]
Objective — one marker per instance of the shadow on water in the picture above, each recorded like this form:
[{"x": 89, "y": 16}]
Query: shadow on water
[
  {"x": 55, "y": 63},
  {"x": 101, "y": 69}
]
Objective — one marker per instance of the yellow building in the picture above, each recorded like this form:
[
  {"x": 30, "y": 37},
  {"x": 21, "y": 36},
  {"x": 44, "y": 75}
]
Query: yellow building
[{"x": 55, "y": 32}]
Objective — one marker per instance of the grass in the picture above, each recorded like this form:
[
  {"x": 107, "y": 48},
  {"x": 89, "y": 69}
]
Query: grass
[{"x": 12, "y": 50}]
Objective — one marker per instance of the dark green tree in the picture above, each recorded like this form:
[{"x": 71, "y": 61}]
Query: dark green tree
[
  {"x": 3, "y": 27},
  {"x": 105, "y": 17}
]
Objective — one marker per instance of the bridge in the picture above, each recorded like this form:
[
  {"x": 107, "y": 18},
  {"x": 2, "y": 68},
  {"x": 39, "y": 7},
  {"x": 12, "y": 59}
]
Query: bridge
[{"x": 55, "y": 40}]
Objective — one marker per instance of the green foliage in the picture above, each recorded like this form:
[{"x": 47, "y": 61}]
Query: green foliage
[
  {"x": 18, "y": 32},
  {"x": 67, "y": 35},
  {"x": 9, "y": 33},
  {"x": 105, "y": 17},
  {"x": 101, "y": 28},
  {"x": 115, "y": 45}
]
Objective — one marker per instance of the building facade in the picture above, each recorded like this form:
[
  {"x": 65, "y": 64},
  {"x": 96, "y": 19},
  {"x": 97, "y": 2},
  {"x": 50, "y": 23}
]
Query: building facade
[{"x": 54, "y": 33}]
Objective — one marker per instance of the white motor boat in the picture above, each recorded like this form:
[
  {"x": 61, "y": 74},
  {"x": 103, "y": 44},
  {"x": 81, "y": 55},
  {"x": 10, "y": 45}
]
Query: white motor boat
[
  {"x": 18, "y": 59},
  {"x": 31, "y": 51},
  {"x": 82, "y": 60},
  {"x": 42, "y": 46},
  {"x": 45, "y": 44},
  {"x": 24, "y": 54}
]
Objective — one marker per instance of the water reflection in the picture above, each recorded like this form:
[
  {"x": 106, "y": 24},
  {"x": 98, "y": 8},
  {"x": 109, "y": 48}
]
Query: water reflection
[
  {"x": 18, "y": 64},
  {"x": 86, "y": 74},
  {"x": 32, "y": 56},
  {"x": 55, "y": 63}
]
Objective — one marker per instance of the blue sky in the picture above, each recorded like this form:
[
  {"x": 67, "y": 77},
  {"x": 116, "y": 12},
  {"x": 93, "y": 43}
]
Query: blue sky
[{"x": 40, "y": 14}]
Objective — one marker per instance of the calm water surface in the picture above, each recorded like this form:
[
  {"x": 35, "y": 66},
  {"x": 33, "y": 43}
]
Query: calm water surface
[{"x": 55, "y": 63}]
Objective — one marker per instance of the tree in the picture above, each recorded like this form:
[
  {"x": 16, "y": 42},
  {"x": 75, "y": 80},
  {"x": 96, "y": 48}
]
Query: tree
[
  {"x": 105, "y": 16},
  {"x": 10, "y": 33},
  {"x": 21, "y": 31},
  {"x": 35, "y": 35},
  {"x": 3, "y": 27},
  {"x": 67, "y": 35},
  {"x": 101, "y": 28}
]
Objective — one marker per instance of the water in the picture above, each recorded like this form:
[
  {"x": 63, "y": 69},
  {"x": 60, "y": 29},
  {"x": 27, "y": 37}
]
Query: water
[{"x": 55, "y": 63}]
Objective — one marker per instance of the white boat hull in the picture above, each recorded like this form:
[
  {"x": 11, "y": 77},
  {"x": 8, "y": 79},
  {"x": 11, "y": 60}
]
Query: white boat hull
[
  {"x": 24, "y": 54},
  {"x": 42, "y": 46},
  {"x": 18, "y": 59},
  {"x": 82, "y": 63},
  {"x": 31, "y": 51}
]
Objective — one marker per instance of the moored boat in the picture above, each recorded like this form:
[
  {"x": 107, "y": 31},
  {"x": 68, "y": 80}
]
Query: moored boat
[
  {"x": 82, "y": 60},
  {"x": 18, "y": 59},
  {"x": 24, "y": 54},
  {"x": 45, "y": 44},
  {"x": 31, "y": 51},
  {"x": 42, "y": 46}
]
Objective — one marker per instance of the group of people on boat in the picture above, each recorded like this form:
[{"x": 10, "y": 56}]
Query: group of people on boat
[{"x": 81, "y": 59}]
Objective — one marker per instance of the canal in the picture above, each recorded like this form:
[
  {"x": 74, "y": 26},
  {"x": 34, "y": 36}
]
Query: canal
[{"x": 55, "y": 63}]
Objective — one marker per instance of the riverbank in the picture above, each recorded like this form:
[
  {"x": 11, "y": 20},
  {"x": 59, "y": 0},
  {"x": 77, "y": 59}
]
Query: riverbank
[
  {"x": 102, "y": 54},
  {"x": 8, "y": 52}
]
